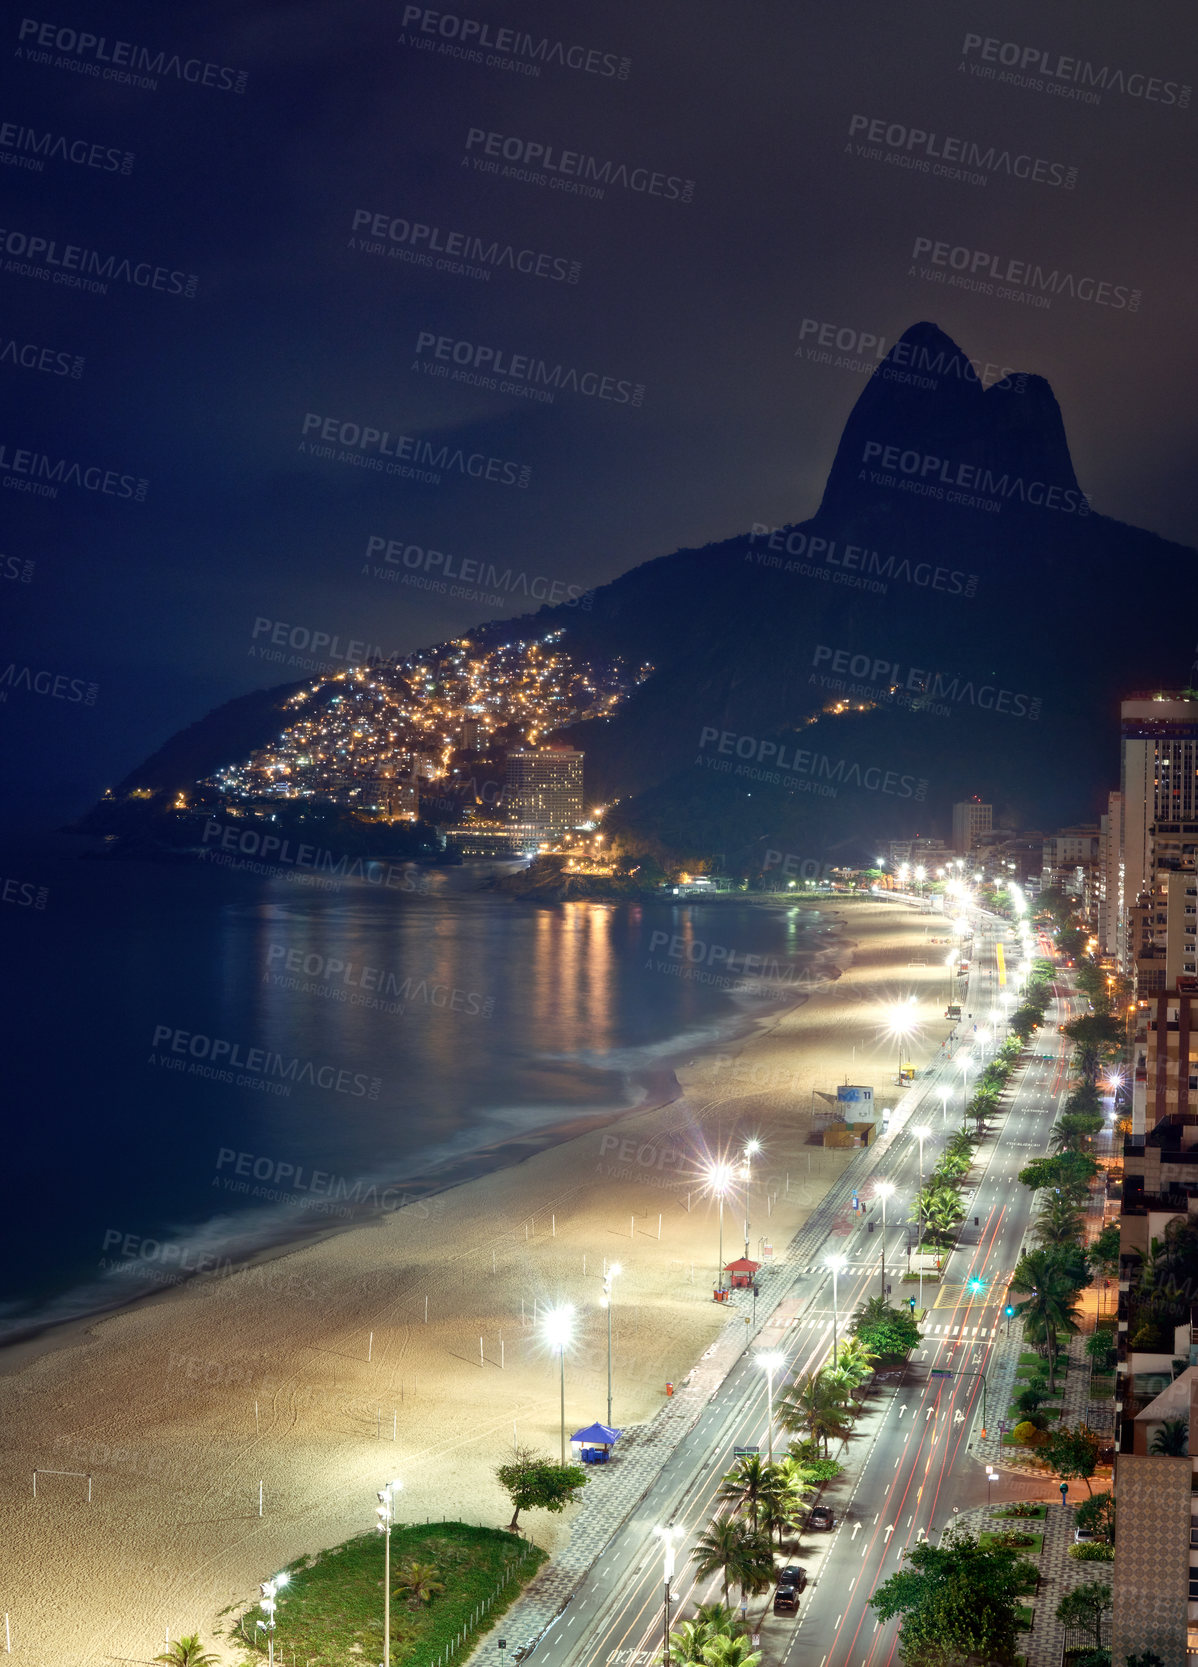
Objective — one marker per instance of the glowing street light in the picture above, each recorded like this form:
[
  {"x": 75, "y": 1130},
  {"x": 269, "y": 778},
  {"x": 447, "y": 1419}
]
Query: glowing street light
[
  {"x": 613, "y": 1273},
  {"x": 386, "y": 1516},
  {"x": 884, "y": 1190},
  {"x": 668, "y": 1536},
  {"x": 835, "y": 1263},
  {"x": 770, "y": 1361},
  {"x": 921, "y": 1132},
  {"x": 752, "y": 1148},
  {"x": 558, "y": 1329},
  {"x": 719, "y": 1180},
  {"x": 901, "y": 1023},
  {"x": 268, "y": 1604}
]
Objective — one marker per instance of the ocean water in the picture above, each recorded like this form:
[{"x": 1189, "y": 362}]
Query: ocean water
[{"x": 201, "y": 1062}]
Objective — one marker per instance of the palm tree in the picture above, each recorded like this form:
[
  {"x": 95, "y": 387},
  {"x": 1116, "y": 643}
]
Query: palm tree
[
  {"x": 746, "y": 1484},
  {"x": 960, "y": 1145},
  {"x": 720, "y": 1549},
  {"x": 730, "y": 1652},
  {"x": 816, "y": 1404},
  {"x": 720, "y": 1617},
  {"x": 687, "y": 1641},
  {"x": 419, "y": 1581},
  {"x": 856, "y": 1361},
  {"x": 1050, "y": 1309},
  {"x": 1058, "y": 1223},
  {"x": 187, "y": 1652},
  {"x": 938, "y": 1209},
  {"x": 1172, "y": 1439},
  {"x": 792, "y": 1486}
]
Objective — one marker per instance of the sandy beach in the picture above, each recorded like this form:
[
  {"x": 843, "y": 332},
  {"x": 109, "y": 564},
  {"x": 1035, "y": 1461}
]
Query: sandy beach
[{"x": 295, "y": 1372}]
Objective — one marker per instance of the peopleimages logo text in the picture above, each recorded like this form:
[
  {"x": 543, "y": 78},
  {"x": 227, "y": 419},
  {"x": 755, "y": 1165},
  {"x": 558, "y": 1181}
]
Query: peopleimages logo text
[
  {"x": 569, "y": 170},
  {"x": 29, "y": 147},
  {"x": 808, "y": 547},
  {"x": 221, "y": 1054},
  {"x": 124, "y": 60},
  {"x": 973, "y": 477},
  {"x": 824, "y": 775},
  {"x": 1034, "y": 61},
  {"x": 957, "y": 156},
  {"x": 368, "y": 448},
  {"x": 470, "y": 570},
  {"x": 1025, "y": 274},
  {"x": 80, "y": 268},
  {"x": 878, "y": 676},
  {"x": 34, "y": 471},
  {"x": 478, "y": 37},
  {"x": 431, "y": 246},
  {"x": 498, "y": 370}
]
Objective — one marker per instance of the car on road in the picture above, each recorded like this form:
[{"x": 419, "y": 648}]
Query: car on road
[
  {"x": 821, "y": 1517},
  {"x": 794, "y": 1574},
  {"x": 786, "y": 1601}
]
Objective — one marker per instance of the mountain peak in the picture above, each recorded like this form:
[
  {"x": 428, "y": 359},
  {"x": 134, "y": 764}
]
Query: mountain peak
[{"x": 929, "y": 403}]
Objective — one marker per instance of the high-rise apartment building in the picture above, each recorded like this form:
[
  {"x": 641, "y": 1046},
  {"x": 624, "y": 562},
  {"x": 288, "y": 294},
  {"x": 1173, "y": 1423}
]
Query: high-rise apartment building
[
  {"x": 543, "y": 787},
  {"x": 1110, "y": 899},
  {"x": 970, "y": 819},
  {"x": 1158, "y": 781}
]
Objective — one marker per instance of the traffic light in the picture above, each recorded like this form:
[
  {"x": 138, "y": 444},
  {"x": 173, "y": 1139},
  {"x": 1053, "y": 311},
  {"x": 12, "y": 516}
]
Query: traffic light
[
  {"x": 976, "y": 1284},
  {"x": 1009, "y": 1310},
  {"x": 911, "y": 1304}
]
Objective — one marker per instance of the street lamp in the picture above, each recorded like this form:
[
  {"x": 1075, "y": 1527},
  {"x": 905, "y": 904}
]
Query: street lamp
[
  {"x": 921, "y": 1132},
  {"x": 901, "y": 1024},
  {"x": 835, "y": 1263},
  {"x": 950, "y": 966},
  {"x": 965, "y": 1064},
  {"x": 884, "y": 1190},
  {"x": 719, "y": 1179},
  {"x": 667, "y": 1536},
  {"x": 558, "y": 1327},
  {"x": 991, "y": 1476},
  {"x": 944, "y": 1093},
  {"x": 752, "y": 1148},
  {"x": 386, "y": 1516},
  {"x": 268, "y": 1604},
  {"x": 771, "y": 1361},
  {"x": 612, "y": 1273}
]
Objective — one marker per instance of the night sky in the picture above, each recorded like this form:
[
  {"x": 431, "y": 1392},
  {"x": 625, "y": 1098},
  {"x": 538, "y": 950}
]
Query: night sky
[{"x": 321, "y": 127}]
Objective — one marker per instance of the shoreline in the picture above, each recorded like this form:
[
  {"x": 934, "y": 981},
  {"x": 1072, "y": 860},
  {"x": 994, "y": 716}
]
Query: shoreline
[
  {"x": 657, "y": 1082},
  {"x": 297, "y": 1370}
]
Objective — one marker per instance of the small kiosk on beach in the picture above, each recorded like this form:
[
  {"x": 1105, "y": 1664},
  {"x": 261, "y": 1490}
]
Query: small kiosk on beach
[
  {"x": 742, "y": 1272},
  {"x": 595, "y": 1443}
]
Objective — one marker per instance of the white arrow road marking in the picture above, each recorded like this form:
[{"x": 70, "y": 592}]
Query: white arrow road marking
[
  {"x": 856, "y": 1529},
  {"x": 889, "y": 1529}
]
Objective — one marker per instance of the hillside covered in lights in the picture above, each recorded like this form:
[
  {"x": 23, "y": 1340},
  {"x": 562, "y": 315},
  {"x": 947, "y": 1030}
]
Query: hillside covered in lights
[{"x": 343, "y": 733}]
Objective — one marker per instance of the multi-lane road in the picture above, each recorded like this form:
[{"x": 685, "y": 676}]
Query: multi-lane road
[{"x": 918, "y": 1466}]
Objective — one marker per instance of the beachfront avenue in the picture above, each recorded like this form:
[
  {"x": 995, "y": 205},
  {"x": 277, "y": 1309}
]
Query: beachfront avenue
[{"x": 919, "y": 1469}]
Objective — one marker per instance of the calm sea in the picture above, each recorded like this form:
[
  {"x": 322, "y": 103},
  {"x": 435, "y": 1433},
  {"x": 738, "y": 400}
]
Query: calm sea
[{"x": 199, "y": 1062}]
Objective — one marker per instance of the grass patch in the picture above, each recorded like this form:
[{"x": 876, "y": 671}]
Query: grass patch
[
  {"x": 1035, "y": 1366},
  {"x": 1033, "y": 1550},
  {"x": 1102, "y": 1386},
  {"x": 1023, "y": 1616},
  {"x": 334, "y": 1601},
  {"x": 1014, "y": 1416},
  {"x": 1039, "y": 1513}
]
